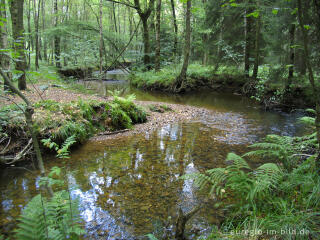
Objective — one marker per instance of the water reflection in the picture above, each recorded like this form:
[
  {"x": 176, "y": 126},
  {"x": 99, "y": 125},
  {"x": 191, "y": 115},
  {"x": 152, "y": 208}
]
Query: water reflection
[{"x": 128, "y": 185}]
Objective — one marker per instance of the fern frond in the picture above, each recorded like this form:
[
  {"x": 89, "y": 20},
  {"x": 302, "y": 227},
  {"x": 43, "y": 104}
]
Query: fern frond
[
  {"x": 307, "y": 120},
  {"x": 237, "y": 161}
]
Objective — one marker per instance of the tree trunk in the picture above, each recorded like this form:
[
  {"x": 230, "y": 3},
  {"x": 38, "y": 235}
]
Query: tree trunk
[
  {"x": 183, "y": 74},
  {"x": 257, "y": 49},
  {"x": 291, "y": 53},
  {"x": 157, "y": 55},
  {"x": 36, "y": 24},
  {"x": 16, "y": 10},
  {"x": 146, "y": 42},
  {"x": 101, "y": 40},
  {"x": 4, "y": 58},
  {"x": 247, "y": 34},
  {"x": 301, "y": 14},
  {"x": 45, "y": 56},
  {"x": 175, "y": 25},
  {"x": 56, "y": 37},
  {"x": 29, "y": 33}
]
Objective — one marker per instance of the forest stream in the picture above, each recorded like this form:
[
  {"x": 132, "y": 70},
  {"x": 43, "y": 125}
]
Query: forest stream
[{"x": 130, "y": 186}]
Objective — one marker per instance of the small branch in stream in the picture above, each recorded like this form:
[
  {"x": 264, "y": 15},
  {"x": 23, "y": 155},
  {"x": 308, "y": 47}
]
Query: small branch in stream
[{"x": 112, "y": 133}]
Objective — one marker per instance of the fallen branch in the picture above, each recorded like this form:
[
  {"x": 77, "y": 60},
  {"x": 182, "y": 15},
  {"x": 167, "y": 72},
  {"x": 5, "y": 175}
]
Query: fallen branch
[
  {"x": 4, "y": 149},
  {"x": 19, "y": 156},
  {"x": 112, "y": 133}
]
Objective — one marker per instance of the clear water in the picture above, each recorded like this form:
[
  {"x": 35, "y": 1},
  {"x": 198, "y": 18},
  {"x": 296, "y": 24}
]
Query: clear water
[{"x": 129, "y": 187}]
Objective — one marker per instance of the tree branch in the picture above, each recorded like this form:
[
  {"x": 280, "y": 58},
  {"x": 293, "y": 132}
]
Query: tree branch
[{"x": 123, "y": 3}]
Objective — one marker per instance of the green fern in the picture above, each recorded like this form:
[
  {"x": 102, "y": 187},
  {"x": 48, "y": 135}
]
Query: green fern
[{"x": 54, "y": 218}]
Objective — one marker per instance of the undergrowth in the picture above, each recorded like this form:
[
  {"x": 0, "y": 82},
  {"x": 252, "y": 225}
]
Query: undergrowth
[
  {"x": 276, "y": 200},
  {"x": 57, "y": 122}
]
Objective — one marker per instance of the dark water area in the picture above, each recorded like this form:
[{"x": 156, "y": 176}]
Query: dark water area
[{"x": 131, "y": 186}]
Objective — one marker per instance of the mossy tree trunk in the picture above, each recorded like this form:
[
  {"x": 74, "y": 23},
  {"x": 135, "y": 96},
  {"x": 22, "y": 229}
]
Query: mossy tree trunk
[
  {"x": 4, "y": 58},
  {"x": 144, "y": 16},
  {"x": 16, "y": 10}
]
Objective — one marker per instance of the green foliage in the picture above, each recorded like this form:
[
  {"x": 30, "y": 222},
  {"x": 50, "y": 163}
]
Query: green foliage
[
  {"x": 62, "y": 152},
  {"x": 50, "y": 218},
  {"x": 135, "y": 113},
  {"x": 120, "y": 120},
  {"x": 151, "y": 237},
  {"x": 61, "y": 125},
  {"x": 164, "y": 79},
  {"x": 274, "y": 196},
  {"x": 56, "y": 218}
]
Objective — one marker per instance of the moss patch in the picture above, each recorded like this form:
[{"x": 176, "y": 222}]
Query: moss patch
[{"x": 59, "y": 121}]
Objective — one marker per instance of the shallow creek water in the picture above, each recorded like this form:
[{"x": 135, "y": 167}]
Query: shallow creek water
[{"x": 129, "y": 187}]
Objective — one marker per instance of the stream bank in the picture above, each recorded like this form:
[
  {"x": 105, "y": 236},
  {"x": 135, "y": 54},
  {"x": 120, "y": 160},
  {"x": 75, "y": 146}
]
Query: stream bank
[
  {"x": 61, "y": 114},
  {"x": 270, "y": 94}
]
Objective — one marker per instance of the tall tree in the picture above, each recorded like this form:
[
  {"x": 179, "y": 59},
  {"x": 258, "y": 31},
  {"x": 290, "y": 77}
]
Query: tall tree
[
  {"x": 16, "y": 10},
  {"x": 43, "y": 28},
  {"x": 175, "y": 25},
  {"x": 257, "y": 47},
  {"x": 4, "y": 58},
  {"x": 144, "y": 15},
  {"x": 247, "y": 35},
  {"x": 56, "y": 37},
  {"x": 158, "y": 47},
  {"x": 36, "y": 24},
  {"x": 186, "y": 53}
]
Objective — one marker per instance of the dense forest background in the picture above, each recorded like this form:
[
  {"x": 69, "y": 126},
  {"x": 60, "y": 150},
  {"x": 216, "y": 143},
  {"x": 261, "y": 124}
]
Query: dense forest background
[{"x": 253, "y": 37}]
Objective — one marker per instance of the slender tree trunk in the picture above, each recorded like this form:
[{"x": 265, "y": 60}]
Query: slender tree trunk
[
  {"x": 114, "y": 17},
  {"x": 36, "y": 24},
  {"x": 257, "y": 49},
  {"x": 16, "y": 10},
  {"x": 175, "y": 25},
  {"x": 56, "y": 37},
  {"x": 30, "y": 40},
  {"x": 291, "y": 53},
  {"x": 183, "y": 74},
  {"x": 157, "y": 56},
  {"x": 301, "y": 14},
  {"x": 4, "y": 58},
  {"x": 45, "y": 56},
  {"x": 101, "y": 40},
  {"x": 247, "y": 34}
]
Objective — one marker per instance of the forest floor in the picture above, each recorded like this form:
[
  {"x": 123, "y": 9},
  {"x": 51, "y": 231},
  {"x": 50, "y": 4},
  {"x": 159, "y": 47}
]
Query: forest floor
[{"x": 158, "y": 114}]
